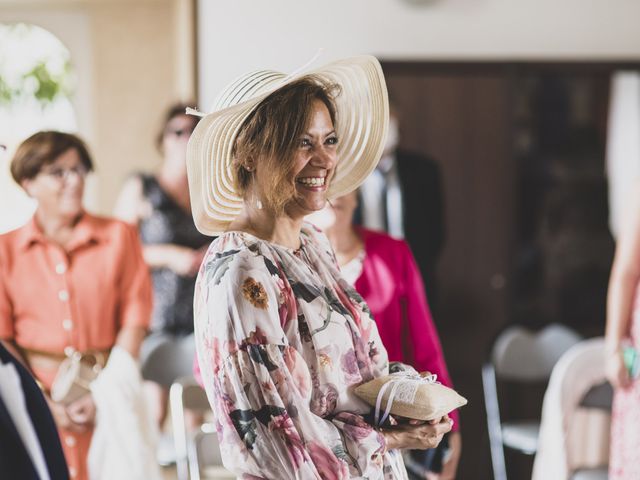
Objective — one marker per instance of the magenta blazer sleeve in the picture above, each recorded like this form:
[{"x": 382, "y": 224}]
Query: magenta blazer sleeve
[{"x": 423, "y": 338}]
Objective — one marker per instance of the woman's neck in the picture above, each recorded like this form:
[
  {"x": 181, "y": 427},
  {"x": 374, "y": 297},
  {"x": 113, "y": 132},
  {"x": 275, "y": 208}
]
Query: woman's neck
[
  {"x": 345, "y": 241},
  {"x": 265, "y": 224},
  {"x": 176, "y": 184},
  {"x": 57, "y": 228},
  {"x": 172, "y": 175}
]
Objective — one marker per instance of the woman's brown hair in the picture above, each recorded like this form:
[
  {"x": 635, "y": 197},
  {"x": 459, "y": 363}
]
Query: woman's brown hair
[
  {"x": 271, "y": 135},
  {"x": 42, "y": 149}
]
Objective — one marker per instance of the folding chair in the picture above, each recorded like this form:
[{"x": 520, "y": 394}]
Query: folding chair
[
  {"x": 185, "y": 394},
  {"x": 576, "y": 417},
  {"x": 519, "y": 356}
]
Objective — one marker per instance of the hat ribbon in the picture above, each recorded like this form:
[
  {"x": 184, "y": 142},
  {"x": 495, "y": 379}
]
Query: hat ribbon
[
  {"x": 296, "y": 72},
  {"x": 195, "y": 112}
]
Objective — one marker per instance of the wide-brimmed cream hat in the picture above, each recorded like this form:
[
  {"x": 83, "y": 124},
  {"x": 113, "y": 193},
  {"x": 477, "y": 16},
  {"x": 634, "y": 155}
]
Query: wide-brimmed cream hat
[{"x": 362, "y": 111}]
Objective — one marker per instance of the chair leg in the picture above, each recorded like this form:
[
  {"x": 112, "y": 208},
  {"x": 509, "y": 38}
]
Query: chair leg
[
  {"x": 179, "y": 430},
  {"x": 493, "y": 422},
  {"x": 192, "y": 455}
]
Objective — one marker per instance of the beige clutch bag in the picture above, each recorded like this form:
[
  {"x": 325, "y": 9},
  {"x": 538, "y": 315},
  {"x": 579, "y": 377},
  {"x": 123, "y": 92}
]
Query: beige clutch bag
[
  {"x": 74, "y": 377},
  {"x": 410, "y": 395}
]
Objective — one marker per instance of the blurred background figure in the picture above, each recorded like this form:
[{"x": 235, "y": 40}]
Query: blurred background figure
[
  {"x": 383, "y": 270},
  {"x": 622, "y": 346},
  {"x": 70, "y": 282},
  {"x": 173, "y": 248},
  {"x": 403, "y": 197}
]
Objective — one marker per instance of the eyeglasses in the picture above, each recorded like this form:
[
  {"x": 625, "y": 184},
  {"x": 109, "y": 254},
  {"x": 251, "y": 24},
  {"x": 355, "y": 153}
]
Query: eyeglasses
[{"x": 63, "y": 174}]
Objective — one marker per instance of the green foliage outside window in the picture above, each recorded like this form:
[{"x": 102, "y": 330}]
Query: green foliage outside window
[{"x": 44, "y": 77}]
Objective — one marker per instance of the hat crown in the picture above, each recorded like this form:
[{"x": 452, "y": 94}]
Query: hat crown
[{"x": 246, "y": 87}]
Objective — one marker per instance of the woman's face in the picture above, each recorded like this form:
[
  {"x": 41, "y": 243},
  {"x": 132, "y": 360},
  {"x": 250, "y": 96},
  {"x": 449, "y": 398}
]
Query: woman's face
[
  {"x": 175, "y": 139},
  {"x": 59, "y": 186},
  {"x": 314, "y": 163}
]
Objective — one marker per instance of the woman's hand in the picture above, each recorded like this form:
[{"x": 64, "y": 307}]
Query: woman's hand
[
  {"x": 62, "y": 419},
  {"x": 82, "y": 411},
  {"x": 417, "y": 436},
  {"x": 615, "y": 369},
  {"x": 182, "y": 260}
]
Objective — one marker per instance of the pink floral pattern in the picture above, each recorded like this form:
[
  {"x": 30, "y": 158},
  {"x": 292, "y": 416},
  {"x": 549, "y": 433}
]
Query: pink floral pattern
[
  {"x": 624, "y": 456},
  {"x": 282, "y": 340}
]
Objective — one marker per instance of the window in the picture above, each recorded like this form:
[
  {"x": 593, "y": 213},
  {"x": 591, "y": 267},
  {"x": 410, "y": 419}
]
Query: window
[{"x": 36, "y": 84}]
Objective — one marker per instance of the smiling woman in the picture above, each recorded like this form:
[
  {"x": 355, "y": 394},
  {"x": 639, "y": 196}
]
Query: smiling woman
[
  {"x": 51, "y": 168},
  {"x": 281, "y": 337},
  {"x": 283, "y": 165},
  {"x": 281, "y": 146}
]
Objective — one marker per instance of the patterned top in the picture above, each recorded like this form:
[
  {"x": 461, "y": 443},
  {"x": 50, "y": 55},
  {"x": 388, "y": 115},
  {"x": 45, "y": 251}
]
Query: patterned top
[
  {"x": 282, "y": 340},
  {"x": 168, "y": 222}
]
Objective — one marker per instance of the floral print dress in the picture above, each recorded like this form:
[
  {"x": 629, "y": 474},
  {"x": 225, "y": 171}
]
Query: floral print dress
[{"x": 282, "y": 341}]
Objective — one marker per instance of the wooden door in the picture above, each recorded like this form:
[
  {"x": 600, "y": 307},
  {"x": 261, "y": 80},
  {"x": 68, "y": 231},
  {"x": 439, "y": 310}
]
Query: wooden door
[{"x": 462, "y": 121}]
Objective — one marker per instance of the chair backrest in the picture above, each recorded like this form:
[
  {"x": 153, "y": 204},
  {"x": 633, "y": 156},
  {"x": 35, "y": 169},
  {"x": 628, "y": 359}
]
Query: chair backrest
[
  {"x": 576, "y": 414},
  {"x": 519, "y": 354},
  {"x": 599, "y": 396},
  {"x": 168, "y": 359},
  {"x": 185, "y": 394}
]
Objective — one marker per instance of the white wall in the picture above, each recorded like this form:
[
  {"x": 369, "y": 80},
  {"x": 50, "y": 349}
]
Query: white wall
[{"x": 240, "y": 35}]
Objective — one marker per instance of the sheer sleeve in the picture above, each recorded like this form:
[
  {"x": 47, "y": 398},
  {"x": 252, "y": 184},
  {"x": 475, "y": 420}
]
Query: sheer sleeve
[{"x": 261, "y": 387}]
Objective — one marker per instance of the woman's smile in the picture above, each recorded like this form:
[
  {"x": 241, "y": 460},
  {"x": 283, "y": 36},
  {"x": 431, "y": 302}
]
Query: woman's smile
[{"x": 316, "y": 184}]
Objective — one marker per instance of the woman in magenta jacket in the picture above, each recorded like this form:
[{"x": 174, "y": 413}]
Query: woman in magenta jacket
[{"x": 384, "y": 272}]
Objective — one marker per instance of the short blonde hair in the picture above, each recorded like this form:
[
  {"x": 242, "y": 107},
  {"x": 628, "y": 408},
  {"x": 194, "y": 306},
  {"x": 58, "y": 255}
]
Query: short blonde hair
[{"x": 271, "y": 134}]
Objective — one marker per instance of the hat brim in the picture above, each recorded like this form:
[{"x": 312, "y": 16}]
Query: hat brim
[{"x": 362, "y": 111}]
